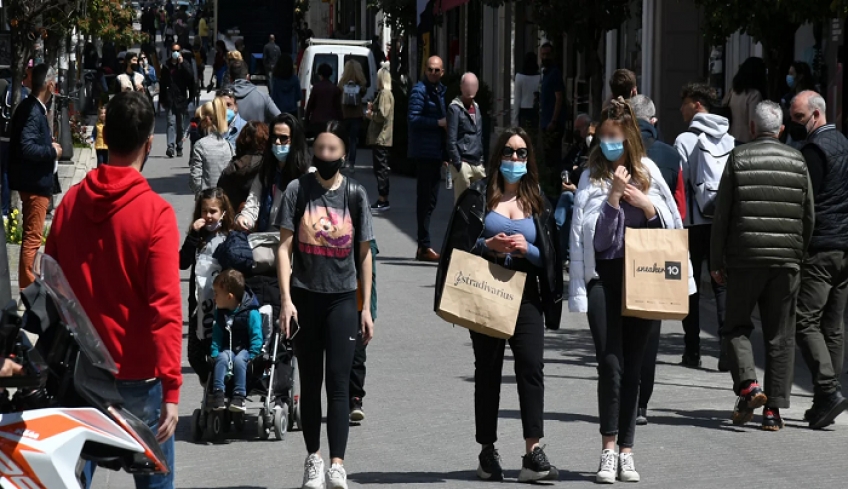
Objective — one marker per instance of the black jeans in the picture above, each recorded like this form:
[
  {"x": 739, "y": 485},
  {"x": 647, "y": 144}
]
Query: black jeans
[
  {"x": 527, "y": 345},
  {"x": 775, "y": 290},
  {"x": 820, "y": 329},
  {"x": 381, "y": 169},
  {"x": 429, "y": 174},
  {"x": 619, "y": 349},
  {"x": 357, "y": 372},
  {"x": 699, "y": 251},
  {"x": 649, "y": 365},
  {"x": 327, "y": 326}
]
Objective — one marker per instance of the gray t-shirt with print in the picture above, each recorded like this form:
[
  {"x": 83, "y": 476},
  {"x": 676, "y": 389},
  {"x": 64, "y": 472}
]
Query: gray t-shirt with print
[{"x": 324, "y": 257}]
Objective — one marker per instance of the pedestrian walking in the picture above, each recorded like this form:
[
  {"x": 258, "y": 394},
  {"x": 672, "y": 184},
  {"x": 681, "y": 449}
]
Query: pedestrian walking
[
  {"x": 270, "y": 57},
  {"x": 219, "y": 66},
  {"x": 238, "y": 176},
  {"x": 381, "y": 113},
  {"x": 176, "y": 90},
  {"x": 799, "y": 79},
  {"x": 525, "y": 114},
  {"x": 465, "y": 136},
  {"x": 704, "y": 149},
  {"x": 569, "y": 175},
  {"x": 823, "y": 294},
  {"x": 621, "y": 188},
  {"x": 235, "y": 123},
  {"x": 318, "y": 281},
  {"x": 623, "y": 83},
  {"x": 253, "y": 104},
  {"x": 353, "y": 87},
  {"x": 33, "y": 158},
  {"x": 101, "y": 149},
  {"x": 131, "y": 80},
  {"x": 286, "y": 91},
  {"x": 507, "y": 220},
  {"x": 762, "y": 227},
  {"x": 750, "y": 87},
  {"x": 552, "y": 106},
  {"x": 212, "y": 153},
  {"x": 427, "y": 122},
  {"x": 129, "y": 288},
  {"x": 324, "y": 104}
]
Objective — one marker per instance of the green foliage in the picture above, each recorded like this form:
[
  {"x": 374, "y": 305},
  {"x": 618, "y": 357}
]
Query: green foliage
[
  {"x": 764, "y": 20},
  {"x": 585, "y": 21},
  {"x": 110, "y": 20}
]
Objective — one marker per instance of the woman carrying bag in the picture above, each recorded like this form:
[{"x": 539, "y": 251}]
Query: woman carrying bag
[{"x": 506, "y": 219}]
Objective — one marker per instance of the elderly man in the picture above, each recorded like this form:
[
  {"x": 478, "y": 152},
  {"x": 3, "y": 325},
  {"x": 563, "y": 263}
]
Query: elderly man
[
  {"x": 427, "y": 121},
  {"x": 824, "y": 272},
  {"x": 762, "y": 227},
  {"x": 33, "y": 156},
  {"x": 465, "y": 136}
]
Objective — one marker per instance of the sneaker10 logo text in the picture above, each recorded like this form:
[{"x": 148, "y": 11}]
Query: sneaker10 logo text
[{"x": 672, "y": 270}]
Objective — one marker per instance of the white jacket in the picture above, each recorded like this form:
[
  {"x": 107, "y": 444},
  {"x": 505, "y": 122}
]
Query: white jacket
[{"x": 588, "y": 200}]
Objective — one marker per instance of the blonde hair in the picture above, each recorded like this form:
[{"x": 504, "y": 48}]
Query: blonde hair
[
  {"x": 234, "y": 55},
  {"x": 384, "y": 79},
  {"x": 352, "y": 72},
  {"x": 621, "y": 113},
  {"x": 216, "y": 110}
]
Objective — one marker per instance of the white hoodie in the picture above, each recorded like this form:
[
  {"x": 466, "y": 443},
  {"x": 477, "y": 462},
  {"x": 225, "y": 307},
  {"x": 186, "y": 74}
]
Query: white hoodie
[
  {"x": 714, "y": 129},
  {"x": 588, "y": 200}
]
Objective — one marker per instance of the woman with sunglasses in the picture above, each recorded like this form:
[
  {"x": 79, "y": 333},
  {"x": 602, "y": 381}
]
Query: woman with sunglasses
[
  {"x": 506, "y": 219},
  {"x": 621, "y": 188}
]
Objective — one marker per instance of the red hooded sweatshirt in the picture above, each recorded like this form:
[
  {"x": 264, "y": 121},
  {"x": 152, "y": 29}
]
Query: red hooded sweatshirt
[{"x": 118, "y": 243}]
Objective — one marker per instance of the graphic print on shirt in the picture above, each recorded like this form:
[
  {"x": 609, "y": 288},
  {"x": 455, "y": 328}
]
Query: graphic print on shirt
[{"x": 325, "y": 231}]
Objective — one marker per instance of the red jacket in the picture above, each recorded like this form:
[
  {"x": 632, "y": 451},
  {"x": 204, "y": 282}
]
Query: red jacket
[{"x": 118, "y": 243}]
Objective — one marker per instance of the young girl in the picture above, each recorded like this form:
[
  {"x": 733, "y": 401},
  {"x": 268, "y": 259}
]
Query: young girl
[
  {"x": 213, "y": 219},
  {"x": 100, "y": 146},
  {"x": 622, "y": 188}
]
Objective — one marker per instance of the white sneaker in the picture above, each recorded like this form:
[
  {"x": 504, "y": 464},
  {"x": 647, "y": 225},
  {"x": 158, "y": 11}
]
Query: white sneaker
[
  {"x": 336, "y": 477},
  {"x": 627, "y": 468},
  {"x": 606, "y": 471},
  {"x": 313, "y": 472}
]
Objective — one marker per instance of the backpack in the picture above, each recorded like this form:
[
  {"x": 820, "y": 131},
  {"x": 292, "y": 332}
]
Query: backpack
[
  {"x": 705, "y": 170},
  {"x": 350, "y": 95}
]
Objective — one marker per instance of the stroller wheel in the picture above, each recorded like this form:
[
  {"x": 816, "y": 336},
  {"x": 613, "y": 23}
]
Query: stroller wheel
[
  {"x": 238, "y": 422},
  {"x": 263, "y": 429},
  {"x": 196, "y": 427},
  {"x": 281, "y": 421},
  {"x": 227, "y": 420},
  {"x": 215, "y": 425}
]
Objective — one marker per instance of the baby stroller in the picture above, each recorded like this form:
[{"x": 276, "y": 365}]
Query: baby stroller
[{"x": 279, "y": 415}]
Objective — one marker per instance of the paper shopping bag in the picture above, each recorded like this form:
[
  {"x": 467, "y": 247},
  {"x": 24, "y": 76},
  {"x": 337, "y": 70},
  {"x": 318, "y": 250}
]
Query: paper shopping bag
[
  {"x": 656, "y": 273},
  {"x": 481, "y": 296}
]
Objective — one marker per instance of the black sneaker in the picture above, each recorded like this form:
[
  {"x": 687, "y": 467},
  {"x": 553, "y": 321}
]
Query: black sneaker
[
  {"x": 642, "y": 416},
  {"x": 357, "y": 415},
  {"x": 772, "y": 420},
  {"x": 380, "y": 206},
  {"x": 535, "y": 467},
  {"x": 179, "y": 153},
  {"x": 169, "y": 153},
  {"x": 691, "y": 360},
  {"x": 825, "y": 410},
  {"x": 216, "y": 400},
  {"x": 489, "y": 468},
  {"x": 237, "y": 405}
]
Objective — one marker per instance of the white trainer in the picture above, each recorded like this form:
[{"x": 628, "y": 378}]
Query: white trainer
[
  {"x": 336, "y": 477},
  {"x": 607, "y": 469},
  {"x": 627, "y": 468},
  {"x": 313, "y": 472}
]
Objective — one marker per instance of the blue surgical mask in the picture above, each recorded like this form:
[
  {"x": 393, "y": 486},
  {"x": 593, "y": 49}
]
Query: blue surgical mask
[
  {"x": 231, "y": 114},
  {"x": 512, "y": 171},
  {"x": 281, "y": 151},
  {"x": 790, "y": 80},
  {"x": 175, "y": 54},
  {"x": 612, "y": 149}
]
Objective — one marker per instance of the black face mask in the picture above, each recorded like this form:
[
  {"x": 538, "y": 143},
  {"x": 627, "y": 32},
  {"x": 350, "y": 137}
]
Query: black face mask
[
  {"x": 327, "y": 169},
  {"x": 797, "y": 131},
  {"x": 547, "y": 63}
]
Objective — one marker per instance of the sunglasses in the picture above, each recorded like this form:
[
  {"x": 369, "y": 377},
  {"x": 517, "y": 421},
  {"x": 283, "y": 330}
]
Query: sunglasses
[
  {"x": 522, "y": 153},
  {"x": 282, "y": 139}
]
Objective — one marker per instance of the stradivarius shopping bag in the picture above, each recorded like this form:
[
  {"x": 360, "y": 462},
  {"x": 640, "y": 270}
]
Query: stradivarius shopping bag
[{"x": 656, "y": 273}]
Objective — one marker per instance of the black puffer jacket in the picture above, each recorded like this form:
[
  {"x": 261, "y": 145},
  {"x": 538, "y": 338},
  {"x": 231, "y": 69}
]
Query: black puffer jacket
[
  {"x": 764, "y": 211},
  {"x": 466, "y": 225},
  {"x": 237, "y": 178}
]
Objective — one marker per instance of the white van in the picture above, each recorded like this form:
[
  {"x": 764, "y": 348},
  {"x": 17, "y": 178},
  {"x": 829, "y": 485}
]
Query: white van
[{"x": 335, "y": 53}]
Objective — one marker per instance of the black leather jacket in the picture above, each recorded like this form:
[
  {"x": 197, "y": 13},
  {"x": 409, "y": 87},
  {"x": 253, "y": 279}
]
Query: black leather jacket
[{"x": 466, "y": 226}]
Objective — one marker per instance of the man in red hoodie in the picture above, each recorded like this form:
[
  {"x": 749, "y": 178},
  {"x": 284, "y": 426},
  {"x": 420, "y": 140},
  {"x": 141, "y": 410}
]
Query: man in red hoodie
[{"x": 118, "y": 243}]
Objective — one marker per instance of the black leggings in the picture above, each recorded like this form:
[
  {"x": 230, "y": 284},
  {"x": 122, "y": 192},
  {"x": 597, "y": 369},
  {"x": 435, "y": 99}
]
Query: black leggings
[
  {"x": 327, "y": 325},
  {"x": 619, "y": 348}
]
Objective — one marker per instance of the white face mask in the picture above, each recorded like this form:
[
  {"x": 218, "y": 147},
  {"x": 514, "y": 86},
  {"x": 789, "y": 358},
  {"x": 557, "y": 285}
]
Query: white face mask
[
  {"x": 215, "y": 225},
  {"x": 588, "y": 140}
]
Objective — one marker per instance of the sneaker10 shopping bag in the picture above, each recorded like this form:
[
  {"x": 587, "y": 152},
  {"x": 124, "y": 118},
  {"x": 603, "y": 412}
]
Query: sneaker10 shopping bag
[
  {"x": 481, "y": 296},
  {"x": 656, "y": 273}
]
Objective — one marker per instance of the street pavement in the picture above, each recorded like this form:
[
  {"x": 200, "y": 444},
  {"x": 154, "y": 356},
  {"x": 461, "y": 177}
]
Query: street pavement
[{"x": 419, "y": 431}]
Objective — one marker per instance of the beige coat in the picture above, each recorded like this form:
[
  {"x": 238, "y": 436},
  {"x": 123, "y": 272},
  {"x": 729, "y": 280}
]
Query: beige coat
[
  {"x": 742, "y": 107},
  {"x": 380, "y": 129}
]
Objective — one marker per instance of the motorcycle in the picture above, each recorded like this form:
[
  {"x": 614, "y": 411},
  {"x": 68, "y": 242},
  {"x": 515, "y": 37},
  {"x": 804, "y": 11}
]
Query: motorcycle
[{"x": 66, "y": 409}]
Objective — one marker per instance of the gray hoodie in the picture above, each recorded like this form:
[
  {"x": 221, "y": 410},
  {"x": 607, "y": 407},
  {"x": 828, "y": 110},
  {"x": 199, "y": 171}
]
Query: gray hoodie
[
  {"x": 254, "y": 105},
  {"x": 715, "y": 128}
]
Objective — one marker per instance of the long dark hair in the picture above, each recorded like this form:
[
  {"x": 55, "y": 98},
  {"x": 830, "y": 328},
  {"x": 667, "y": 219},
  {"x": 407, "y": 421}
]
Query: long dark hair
[
  {"x": 751, "y": 76},
  {"x": 531, "y": 65},
  {"x": 803, "y": 77},
  {"x": 297, "y": 162},
  {"x": 336, "y": 129},
  {"x": 284, "y": 68},
  {"x": 218, "y": 194},
  {"x": 529, "y": 195}
]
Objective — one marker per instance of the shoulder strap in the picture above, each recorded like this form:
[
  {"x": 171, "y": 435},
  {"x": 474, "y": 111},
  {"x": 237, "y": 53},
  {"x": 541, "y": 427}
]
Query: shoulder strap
[
  {"x": 300, "y": 203},
  {"x": 354, "y": 207}
]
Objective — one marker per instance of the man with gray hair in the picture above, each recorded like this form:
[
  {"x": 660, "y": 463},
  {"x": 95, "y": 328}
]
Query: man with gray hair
[
  {"x": 824, "y": 271},
  {"x": 762, "y": 227},
  {"x": 465, "y": 136}
]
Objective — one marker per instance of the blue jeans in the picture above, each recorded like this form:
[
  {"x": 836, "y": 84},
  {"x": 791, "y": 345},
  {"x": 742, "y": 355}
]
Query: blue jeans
[
  {"x": 219, "y": 77},
  {"x": 143, "y": 399},
  {"x": 352, "y": 127},
  {"x": 176, "y": 128},
  {"x": 222, "y": 363},
  {"x": 562, "y": 214}
]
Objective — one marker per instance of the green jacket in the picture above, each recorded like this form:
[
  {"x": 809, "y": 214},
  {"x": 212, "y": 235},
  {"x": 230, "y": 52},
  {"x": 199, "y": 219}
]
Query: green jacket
[{"x": 764, "y": 211}]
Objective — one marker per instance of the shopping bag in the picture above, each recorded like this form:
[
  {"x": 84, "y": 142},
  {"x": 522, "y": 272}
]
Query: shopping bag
[
  {"x": 481, "y": 296},
  {"x": 656, "y": 273}
]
